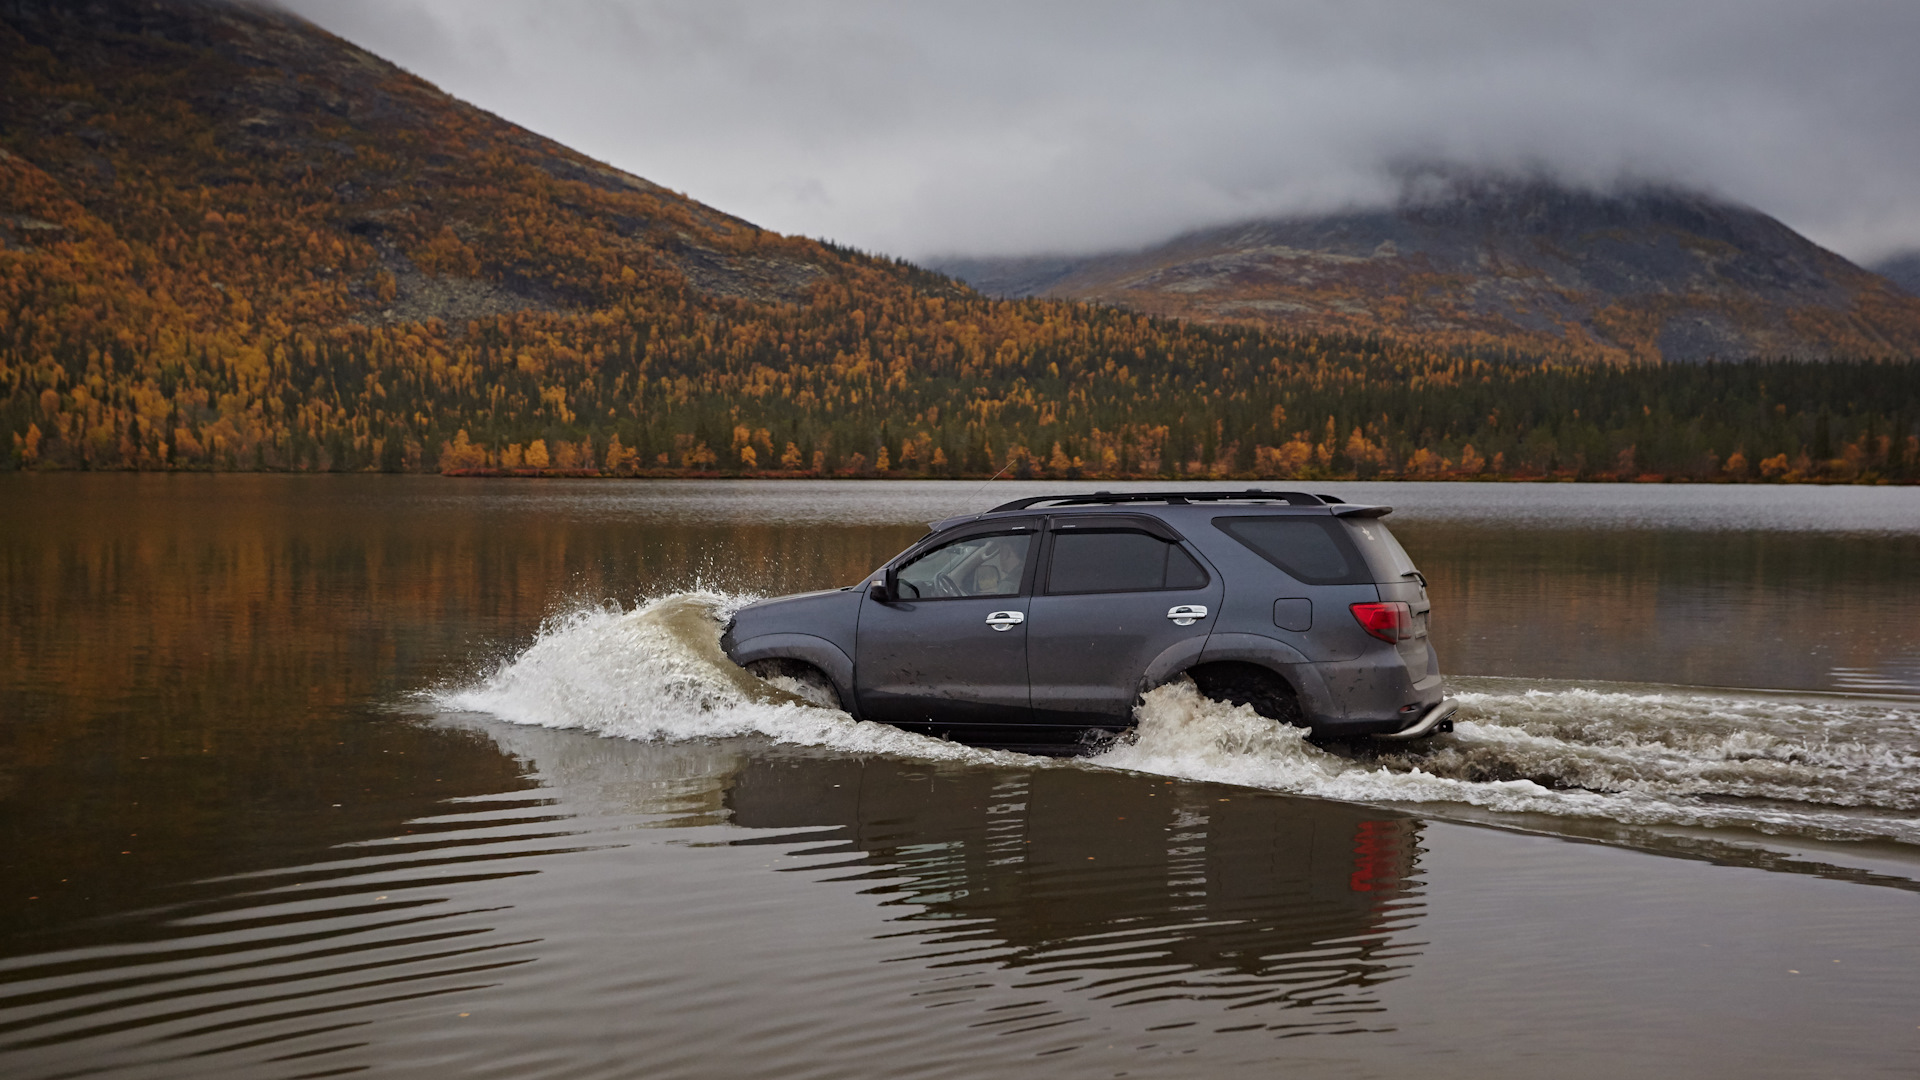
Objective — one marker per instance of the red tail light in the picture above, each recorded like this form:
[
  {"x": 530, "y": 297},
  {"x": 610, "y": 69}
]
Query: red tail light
[{"x": 1391, "y": 621}]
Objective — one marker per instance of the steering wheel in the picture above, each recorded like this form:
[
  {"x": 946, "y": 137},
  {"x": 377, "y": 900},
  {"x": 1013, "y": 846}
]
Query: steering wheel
[{"x": 945, "y": 585}]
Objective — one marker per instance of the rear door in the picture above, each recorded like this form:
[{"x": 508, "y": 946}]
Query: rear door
[
  {"x": 1115, "y": 594},
  {"x": 951, "y": 651}
]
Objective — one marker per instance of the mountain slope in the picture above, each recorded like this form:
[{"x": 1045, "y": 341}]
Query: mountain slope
[
  {"x": 229, "y": 240},
  {"x": 326, "y": 185},
  {"x": 1903, "y": 270},
  {"x": 1648, "y": 274}
]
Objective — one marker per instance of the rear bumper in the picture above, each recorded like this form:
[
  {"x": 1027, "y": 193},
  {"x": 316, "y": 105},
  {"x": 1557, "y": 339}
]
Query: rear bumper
[
  {"x": 1436, "y": 719},
  {"x": 1370, "y": 694},
  {"x": 1374, "y": 694}
]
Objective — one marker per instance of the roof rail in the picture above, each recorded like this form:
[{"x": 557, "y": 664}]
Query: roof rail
[{"x": 1100, "y": 498}]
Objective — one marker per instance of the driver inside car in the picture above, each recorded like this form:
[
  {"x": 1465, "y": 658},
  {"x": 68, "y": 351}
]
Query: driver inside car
[
  {"x": 982, "y": 566},
  {"x": 998, "y": 572}
]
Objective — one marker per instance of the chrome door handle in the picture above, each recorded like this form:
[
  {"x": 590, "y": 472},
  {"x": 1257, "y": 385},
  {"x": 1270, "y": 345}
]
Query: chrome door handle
[
  {"x": 1005, "y": 620},
  {"x": 1186, "y": 614}
]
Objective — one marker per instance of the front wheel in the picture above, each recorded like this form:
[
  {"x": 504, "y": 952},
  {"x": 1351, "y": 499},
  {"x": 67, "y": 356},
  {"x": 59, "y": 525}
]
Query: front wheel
[{"x": 801, "y": 679}]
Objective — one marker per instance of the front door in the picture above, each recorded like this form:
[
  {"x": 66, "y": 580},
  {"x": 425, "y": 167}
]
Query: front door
[
  {"x": 950, "y": 651},
  {"x": 1113, "y": 598}
]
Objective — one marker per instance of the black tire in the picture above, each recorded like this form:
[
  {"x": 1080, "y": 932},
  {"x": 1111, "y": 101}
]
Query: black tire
[
  {"x": 823, "y": 692},
  {"x": 1246, "y": 684}
]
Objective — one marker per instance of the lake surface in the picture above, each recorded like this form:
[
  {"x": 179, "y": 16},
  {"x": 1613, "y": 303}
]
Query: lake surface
[{"x": 309, "y": 776}]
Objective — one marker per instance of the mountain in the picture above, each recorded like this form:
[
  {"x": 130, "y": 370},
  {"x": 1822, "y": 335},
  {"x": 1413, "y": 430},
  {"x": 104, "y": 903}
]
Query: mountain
[
  {"x": 327, "y": 185},
  {"x": 231, "y": 240},
  {"x": 1651, "y": 273},
  {"x": 1903, "y": 270}
]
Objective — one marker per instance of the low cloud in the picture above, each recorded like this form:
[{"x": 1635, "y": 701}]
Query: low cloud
[{"x": 1003, "y": 128}]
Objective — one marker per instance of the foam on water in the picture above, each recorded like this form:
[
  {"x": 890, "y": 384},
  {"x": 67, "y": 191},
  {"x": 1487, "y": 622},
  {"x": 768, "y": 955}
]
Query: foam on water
[
  {"x": 1808, "y": 768},
  {"x": 657, "y": 673},
  {"x": 1813, "y": 765}
]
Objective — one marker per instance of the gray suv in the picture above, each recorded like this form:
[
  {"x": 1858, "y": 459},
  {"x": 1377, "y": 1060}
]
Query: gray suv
[{"x": 1046, "y": 618}]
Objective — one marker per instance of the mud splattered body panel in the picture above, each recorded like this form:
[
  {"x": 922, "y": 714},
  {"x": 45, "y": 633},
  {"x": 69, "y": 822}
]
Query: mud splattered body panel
[{"x": 1112, "y": 596}]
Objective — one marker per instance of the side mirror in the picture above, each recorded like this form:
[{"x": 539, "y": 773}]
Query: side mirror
[{"x": 884, "y": 590}]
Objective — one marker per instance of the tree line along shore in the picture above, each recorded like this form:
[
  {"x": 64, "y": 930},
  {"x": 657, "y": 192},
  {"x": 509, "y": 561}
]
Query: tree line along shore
[{"x": 952, "y": 387}]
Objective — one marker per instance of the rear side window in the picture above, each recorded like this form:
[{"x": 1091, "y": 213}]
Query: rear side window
[
  {"x": 1096, "y": 562},
  {"x": 1315, "y": 550}
]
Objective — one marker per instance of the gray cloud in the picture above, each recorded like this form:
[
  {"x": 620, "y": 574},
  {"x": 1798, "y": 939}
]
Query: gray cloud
[{"x": 1003, "y": 128}]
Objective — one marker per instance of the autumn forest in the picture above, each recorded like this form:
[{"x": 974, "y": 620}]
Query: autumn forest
[{"x": 242, "y": 244}]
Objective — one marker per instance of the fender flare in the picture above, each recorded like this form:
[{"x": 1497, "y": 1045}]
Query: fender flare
[
  {"x": 817, "y": 651},
  {"x": 1316, "y": 702},
  {"x": 1175, "y": 659}
]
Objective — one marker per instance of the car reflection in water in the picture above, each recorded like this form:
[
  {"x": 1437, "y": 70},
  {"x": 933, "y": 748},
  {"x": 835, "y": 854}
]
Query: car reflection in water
[{"x": 1135, "y": 887}]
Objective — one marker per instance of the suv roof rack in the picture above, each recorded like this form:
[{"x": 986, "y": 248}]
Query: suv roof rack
[{"x": 1176, "y": 498}]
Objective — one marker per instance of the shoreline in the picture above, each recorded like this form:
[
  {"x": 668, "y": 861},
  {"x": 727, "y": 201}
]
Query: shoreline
[{"x": 1222, "y": 478}]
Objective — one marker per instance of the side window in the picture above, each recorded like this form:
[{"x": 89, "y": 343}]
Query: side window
[
  {"x": 1315, "y": 550},
  {"x": 1096, "y": 562},
  {"x": 1182, "y": 571},
  {"x": 976, "y": 566}
]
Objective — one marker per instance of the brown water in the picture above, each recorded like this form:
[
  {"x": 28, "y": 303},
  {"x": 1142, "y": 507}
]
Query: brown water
[{"x": 293, "y": 782}]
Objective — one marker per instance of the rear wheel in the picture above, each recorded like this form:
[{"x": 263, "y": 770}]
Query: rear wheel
[
  {"x": 801, "y": 679},
  {"x": 1249, "y": 684}
]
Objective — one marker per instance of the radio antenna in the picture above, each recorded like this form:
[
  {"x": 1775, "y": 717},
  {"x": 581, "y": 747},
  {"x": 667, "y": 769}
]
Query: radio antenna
[{"x": 990, "y": 479}]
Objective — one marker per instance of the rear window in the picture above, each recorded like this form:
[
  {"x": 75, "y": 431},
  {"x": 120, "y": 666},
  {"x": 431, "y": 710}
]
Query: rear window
[
  {"x": 1312, "y": 549},
  {"x": 1095, "y": 562},
  {"x": 1389, "y": 560}
]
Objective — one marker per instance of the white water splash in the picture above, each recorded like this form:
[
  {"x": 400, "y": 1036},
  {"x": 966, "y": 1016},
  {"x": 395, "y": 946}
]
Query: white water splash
[
  {"x": 1814, "y": 766},
  {"x": 657, "y": 673},
  {"x": 1641, "y": 759}
]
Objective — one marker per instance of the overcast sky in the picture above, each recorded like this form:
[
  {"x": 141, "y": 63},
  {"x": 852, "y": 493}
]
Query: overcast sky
[{"x": 1007, "y": 128}]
